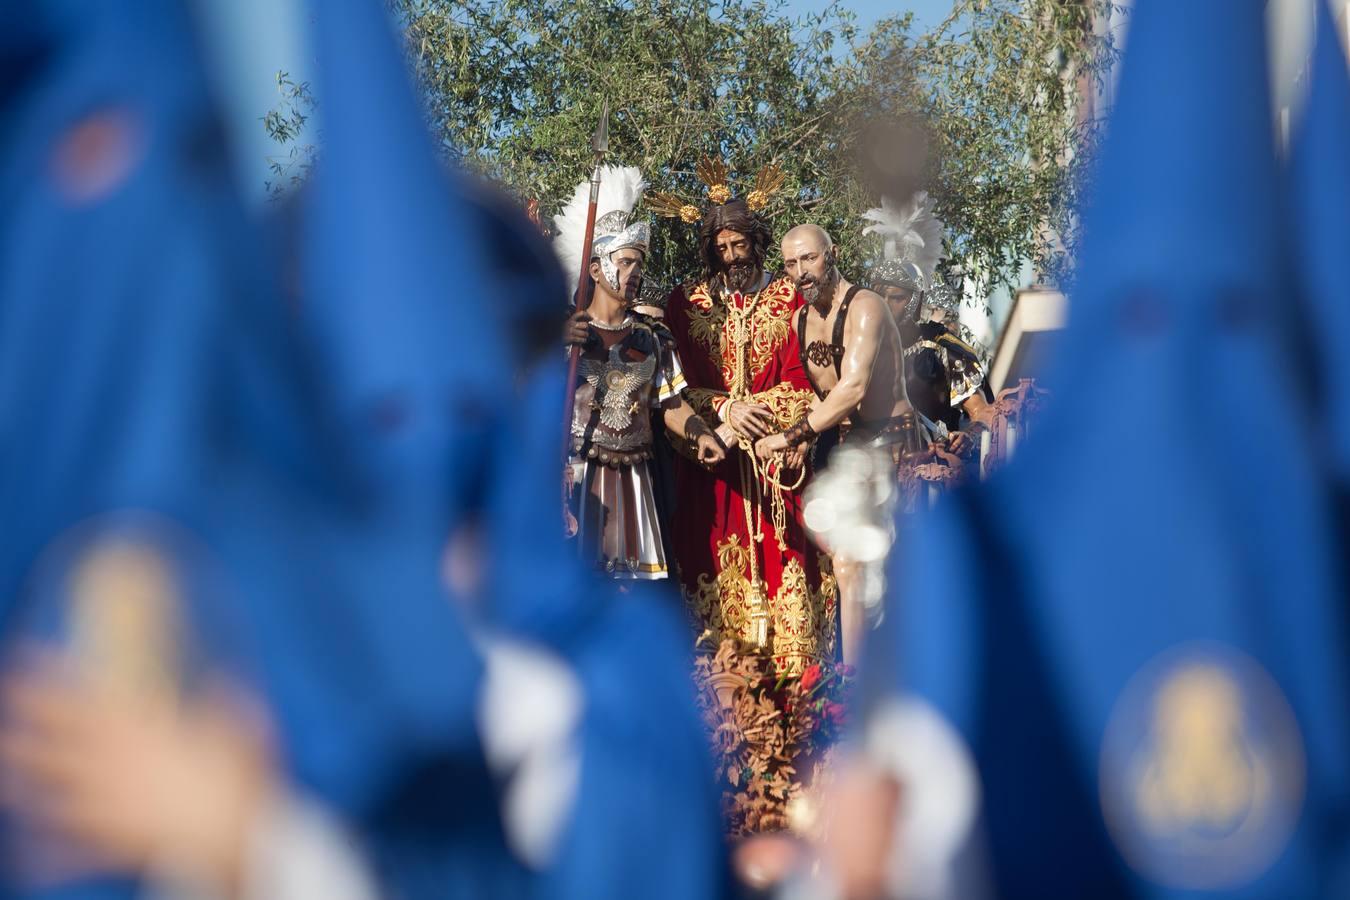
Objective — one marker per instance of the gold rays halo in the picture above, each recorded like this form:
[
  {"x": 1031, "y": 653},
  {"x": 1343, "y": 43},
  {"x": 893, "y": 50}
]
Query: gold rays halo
[{"x": 714, "y": 174}]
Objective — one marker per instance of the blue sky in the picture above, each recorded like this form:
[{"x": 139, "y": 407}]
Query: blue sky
[
  {"x": 255, "y": 38},
  {"x": 926, "y": 12}
]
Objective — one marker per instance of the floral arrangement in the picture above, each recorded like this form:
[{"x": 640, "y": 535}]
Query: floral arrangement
[{"x": 771, "y": 733}]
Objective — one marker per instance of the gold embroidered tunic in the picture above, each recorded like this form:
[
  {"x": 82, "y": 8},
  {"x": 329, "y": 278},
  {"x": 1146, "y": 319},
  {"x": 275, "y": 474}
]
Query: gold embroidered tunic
[{"x": 777, "y": 591}]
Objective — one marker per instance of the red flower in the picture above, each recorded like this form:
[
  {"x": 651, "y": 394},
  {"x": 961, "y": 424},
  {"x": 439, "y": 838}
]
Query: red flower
[
  {"x": 811, "y": 677},
  {"x": 837, "y": 713}
]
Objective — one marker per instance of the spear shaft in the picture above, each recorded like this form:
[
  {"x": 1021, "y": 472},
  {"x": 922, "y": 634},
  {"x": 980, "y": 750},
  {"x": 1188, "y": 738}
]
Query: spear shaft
[{"x": 599, "y": 146}]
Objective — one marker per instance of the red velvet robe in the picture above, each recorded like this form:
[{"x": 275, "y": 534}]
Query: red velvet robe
[{"x": 711, "y": 537}]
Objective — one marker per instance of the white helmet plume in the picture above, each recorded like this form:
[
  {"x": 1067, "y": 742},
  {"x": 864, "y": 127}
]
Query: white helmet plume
[
  {"x": 621, "y": 188},
  {"x": 910, "y": 232}
]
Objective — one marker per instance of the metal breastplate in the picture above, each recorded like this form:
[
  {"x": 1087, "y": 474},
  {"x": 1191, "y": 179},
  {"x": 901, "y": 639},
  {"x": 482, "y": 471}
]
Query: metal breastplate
[{"x": 612, "y": 419}]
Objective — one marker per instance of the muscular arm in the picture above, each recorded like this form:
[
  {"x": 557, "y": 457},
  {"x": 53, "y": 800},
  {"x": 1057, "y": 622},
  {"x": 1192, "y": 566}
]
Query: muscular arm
[
  {"x": 683, "y": 422},
  {"x": 861, "y": 345},
  {"x": 975, "y": 405}
]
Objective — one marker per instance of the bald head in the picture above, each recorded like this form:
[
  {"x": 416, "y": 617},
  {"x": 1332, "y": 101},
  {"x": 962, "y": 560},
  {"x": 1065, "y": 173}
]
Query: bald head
[
  {"x": 808, "y": 257},
  {"x": 810, "y": 235}
]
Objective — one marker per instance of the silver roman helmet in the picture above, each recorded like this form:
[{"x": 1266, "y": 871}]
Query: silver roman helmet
[
  {"x": 621, "y": 188},
  {"x": 941, "y": 295},
  {"x": 899, "y": 272},
  {"x": 911, "y": 246}
]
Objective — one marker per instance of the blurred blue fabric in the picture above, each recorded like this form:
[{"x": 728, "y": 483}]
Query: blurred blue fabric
[
  {"x": 392, "y": 271},
  {"x": 103, "y": 298},
  {"x": 646, "y": 821},
  {"x": 1320, "y": 207},
  {"x": 147, "y": 365},
  {"x": 1167, "y": 521},
  {"x": 152, "y": 374}
]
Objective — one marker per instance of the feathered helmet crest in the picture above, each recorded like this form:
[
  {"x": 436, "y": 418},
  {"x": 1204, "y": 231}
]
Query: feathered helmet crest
[
  {"x": 714, "y": 175},
  {"x": 911, "y": 245},
  {"x": 621, "y": 188}
]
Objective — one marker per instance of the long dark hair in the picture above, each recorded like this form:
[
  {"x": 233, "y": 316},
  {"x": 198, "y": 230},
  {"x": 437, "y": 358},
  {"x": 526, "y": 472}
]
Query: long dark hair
[{"x": 731, "y": 216}]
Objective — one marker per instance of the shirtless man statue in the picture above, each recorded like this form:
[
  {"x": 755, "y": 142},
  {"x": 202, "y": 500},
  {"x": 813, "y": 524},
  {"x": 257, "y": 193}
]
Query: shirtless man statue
[{"x": 854, "y": 358}]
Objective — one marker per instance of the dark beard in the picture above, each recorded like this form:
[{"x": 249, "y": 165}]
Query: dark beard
[
  {"x": 814, "y": 292},
  {"x": 739, "y": 276}
]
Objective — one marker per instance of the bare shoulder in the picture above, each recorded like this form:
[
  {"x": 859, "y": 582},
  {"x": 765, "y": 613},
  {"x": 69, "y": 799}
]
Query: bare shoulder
[
  {"x": 868, "y": 301},
  {"x": 867, "y": 310}
]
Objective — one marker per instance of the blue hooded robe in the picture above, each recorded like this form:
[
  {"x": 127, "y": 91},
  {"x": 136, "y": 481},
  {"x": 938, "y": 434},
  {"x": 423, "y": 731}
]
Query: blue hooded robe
[{"x": 1149, "y": 593}]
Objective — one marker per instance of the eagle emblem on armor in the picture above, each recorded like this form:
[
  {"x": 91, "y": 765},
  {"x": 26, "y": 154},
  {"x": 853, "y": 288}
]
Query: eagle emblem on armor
[{"x": 618, "y": 387}]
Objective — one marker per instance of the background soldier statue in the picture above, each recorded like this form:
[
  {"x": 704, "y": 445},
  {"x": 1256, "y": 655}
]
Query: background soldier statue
[
  {"x": 628, "y": 367},
  {"x": 943, "y": 375}
]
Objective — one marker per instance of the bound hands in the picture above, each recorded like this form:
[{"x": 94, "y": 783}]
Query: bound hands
[
  {"x": 776, "y": 445},
  {"x": 753, "y": 420}
]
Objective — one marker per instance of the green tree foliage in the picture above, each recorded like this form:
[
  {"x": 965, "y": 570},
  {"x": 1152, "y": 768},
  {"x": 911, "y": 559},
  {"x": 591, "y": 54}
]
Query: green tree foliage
[
  {"x": 515, "y": 87},
  {"x": 1010, "y": 88}
]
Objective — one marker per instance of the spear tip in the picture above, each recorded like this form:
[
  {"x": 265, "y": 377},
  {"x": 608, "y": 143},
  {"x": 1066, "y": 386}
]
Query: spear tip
[{"x": 600, "y": 140}]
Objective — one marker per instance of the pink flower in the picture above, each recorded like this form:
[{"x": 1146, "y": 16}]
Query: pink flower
[{"x": 837, "y": 713}]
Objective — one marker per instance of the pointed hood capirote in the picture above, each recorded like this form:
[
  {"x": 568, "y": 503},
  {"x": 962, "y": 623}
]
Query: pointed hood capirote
[
  {"x": 1152, "y": 527},
  {"x": 392, "y": 266},
  {"x": 1319, "y": 201}
]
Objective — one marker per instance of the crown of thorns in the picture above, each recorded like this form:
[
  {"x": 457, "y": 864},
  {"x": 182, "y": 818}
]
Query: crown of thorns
[{"x": 713, "y": 173}]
